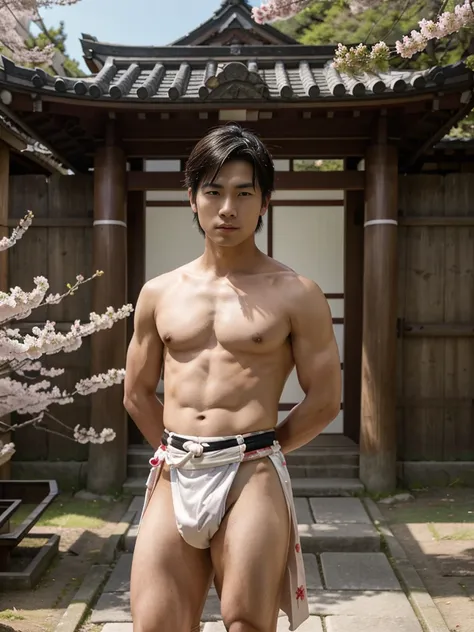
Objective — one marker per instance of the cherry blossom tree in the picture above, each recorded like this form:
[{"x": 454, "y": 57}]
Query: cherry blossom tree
[
  {"x": 15, "y": 17},
  {"x": 22, "y": 387},
  {"x": 375, "y": 58}
]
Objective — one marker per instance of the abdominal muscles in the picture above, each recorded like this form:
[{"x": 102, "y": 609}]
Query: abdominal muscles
[{"x": 218, "y": 393}]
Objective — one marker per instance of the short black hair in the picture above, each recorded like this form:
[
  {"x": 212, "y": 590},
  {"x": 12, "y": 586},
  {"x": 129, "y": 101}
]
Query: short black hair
[{"x": 224, "y": 144}]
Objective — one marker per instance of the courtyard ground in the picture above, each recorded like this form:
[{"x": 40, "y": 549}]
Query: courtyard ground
[
  {"x": 83, "y": 527},
  {"x": 437, "y": 532}
]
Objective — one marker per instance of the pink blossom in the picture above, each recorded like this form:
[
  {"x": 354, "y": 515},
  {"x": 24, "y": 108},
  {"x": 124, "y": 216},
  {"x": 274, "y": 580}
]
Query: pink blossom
[
  {"x": 272, "y": 10},
  {"x": 15, "y": 18},
  {"x": 448, "y": 23}
]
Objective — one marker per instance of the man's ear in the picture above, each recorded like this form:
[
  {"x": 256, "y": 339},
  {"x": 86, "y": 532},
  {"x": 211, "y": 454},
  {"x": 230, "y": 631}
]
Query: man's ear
[
  {"x": 265, "y": 205},
  {"x": 192, "y": 203}
]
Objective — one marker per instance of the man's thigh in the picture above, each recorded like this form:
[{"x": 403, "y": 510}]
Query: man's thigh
[
  {"x": 250, "y": 550},
  {"x": 170, "y": 579}
]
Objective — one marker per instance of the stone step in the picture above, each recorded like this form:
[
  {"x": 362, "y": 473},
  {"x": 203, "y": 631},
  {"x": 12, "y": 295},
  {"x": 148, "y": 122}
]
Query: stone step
[
  {"x": 307, "y": 456},
  {"x": 312, "y": 487},
  {"x": 303, "y": 487}
]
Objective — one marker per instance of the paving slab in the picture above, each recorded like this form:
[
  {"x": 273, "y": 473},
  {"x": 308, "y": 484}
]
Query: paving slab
[
  {"x": 358, "y": 571},
  {"x": 119, "y": 580},
  {"x": 380, "y": 624},
  {"x": 303, "y": 512},
  {"x": 313, "y": 576},
  {"x": 318, "y": 538},
  {"x": 339, "y": 511},
  {"x": 367, "y": 603},
  {"x": 212, "y": 608},
  {"x": 312, "y": 624},
  {"x": 112, "y": 608},
  {"x": 118, "y": 627}
]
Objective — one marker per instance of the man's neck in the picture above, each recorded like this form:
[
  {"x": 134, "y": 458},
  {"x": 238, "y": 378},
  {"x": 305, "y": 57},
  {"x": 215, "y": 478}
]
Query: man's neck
[{"x": 224, "y": 261}]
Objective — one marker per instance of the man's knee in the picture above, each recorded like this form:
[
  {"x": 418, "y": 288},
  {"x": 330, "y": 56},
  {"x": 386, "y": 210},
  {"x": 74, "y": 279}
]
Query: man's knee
[
  {"x": 242, "y": 625},
  {"x": 166, "y": 622}
]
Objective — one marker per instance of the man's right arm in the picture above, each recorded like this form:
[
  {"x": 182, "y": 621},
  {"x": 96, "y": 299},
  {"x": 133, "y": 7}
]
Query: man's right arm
[{"x": 143, "y": 369}]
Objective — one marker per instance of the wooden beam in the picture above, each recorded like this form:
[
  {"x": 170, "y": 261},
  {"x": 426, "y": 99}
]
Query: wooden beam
[
  {"x": 438, "y": 330},
  {"x": 459, "y": 221},
  {"x": 378, "y": 446},
  {"x": 299, "y": 180},
  {"x": 108, "y": 462},
  {"x": 295, "y": 202},
  {"x": 284, "y": 148},
  {"x": 275, "y": 129}
]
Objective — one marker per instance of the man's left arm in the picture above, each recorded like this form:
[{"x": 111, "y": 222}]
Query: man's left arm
[{"x": 317, "y": 365}]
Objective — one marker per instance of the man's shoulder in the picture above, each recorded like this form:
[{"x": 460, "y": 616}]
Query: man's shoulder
[
  {"x": 294, "y": 282},
  {"x": 300, "y": 293},
  {"x": 156, "y": 285}
]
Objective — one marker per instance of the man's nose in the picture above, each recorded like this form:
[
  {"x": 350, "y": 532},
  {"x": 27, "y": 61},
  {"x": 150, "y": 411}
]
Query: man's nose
[{"x": 228, "y": 208}]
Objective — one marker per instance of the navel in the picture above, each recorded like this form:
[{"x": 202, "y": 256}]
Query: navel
[
  {"x": 201, "y": 417},
  {"x": 257, "y": 338}
]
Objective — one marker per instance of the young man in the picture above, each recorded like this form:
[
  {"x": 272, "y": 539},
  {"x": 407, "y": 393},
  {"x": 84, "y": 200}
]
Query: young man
[{"x": 226, "y": 329}]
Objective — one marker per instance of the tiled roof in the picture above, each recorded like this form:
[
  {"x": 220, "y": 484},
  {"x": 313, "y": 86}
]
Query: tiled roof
[{"x": 192, "y": 78}]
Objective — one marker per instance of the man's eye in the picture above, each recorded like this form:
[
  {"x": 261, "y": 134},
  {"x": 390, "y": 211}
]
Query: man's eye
[
  {"x": 245, "y": 193},
  {"x": 212, "y": 193}
]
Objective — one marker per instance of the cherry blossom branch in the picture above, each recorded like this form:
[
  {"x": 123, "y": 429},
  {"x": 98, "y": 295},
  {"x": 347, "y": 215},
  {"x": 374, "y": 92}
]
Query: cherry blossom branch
[
  {"x": 360, "y": 59},
  {"x": 17, "y": 233},
  {"x": 18, "y": 304},
  {"x": 35, "y": 398},
  {"x": 14, "y": 16}
]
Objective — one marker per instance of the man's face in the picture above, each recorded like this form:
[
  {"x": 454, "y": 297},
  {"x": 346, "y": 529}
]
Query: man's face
[{"x": 228, "y": 208}]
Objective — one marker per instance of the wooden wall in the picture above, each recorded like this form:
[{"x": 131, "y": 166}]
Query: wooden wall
[
  {"x": 58, "y": 246},
  {"x": 436, "y": 308}
]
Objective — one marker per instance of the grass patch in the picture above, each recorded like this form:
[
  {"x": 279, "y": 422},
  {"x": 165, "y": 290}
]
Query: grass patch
[
  {"x": 11, "y": 615},
  {"x": 69, "y": 512},
  {"x": 463, "y": 534},
  {"x": 424, "y": 511}
]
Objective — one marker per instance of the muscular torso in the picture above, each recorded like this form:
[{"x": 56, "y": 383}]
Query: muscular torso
[{"x": 227, "y": 350}]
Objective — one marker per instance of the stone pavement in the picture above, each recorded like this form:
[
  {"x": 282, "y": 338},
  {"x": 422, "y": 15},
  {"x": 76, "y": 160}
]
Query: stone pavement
[{"x": 351, "y": 586}]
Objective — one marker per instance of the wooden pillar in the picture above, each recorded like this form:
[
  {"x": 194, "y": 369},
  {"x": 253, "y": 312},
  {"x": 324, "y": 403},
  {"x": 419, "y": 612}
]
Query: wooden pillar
[
  {"x": 4, "y": 232},
  {"x": 378, "y": 396},
  {"x": 107, "y": 462}
]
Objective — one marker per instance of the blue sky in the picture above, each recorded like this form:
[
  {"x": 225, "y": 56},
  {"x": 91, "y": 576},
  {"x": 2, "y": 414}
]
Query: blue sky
[{"x": 145, "y": 22}]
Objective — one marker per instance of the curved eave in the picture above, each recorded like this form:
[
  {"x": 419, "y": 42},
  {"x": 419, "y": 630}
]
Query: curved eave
[{"x": 215, "y": 83}]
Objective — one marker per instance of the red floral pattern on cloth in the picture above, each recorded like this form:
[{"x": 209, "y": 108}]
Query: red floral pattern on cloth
[
  {"x": 158, "y": 457},
  {"x": 297, "y": 547},
  {"x": 300, "y": 593}
]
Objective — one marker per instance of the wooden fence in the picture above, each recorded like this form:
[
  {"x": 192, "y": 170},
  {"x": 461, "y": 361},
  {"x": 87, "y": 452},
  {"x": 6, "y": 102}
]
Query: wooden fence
[
  {"x": 436, "y": 312},
  {"x": 58, "y": 246}
]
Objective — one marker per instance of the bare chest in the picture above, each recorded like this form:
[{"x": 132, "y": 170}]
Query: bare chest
[{"x": 193, "y": 319}]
